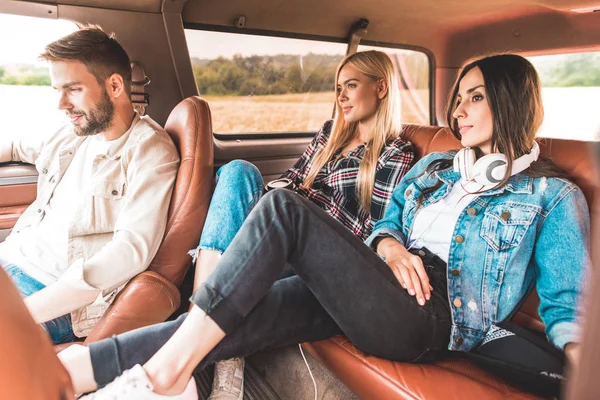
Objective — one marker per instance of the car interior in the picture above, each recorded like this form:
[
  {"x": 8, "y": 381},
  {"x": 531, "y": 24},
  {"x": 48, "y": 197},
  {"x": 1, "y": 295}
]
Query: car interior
[{"x": 158, "y": 36}]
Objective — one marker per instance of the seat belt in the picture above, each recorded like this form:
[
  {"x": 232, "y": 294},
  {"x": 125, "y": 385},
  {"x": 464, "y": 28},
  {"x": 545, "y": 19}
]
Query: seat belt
[
  {"x": 139, "y": 80},
  {"x": 356, "y": 32}
]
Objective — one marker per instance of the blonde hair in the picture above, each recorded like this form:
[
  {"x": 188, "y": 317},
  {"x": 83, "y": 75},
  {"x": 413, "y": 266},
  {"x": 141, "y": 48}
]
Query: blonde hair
[{"x": 388, "y": 125}]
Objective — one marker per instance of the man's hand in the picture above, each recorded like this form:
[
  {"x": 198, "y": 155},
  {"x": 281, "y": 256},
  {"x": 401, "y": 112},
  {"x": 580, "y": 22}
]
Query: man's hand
[
  {"x": 57, "y": 300},
  {"x": 407, "y": 268}
]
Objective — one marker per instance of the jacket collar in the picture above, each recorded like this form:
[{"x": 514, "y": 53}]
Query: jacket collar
[{"x": 114, "y": 150}]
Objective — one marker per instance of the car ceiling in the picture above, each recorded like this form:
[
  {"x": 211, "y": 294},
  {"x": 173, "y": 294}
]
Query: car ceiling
[{"x": 453, "y": 30}]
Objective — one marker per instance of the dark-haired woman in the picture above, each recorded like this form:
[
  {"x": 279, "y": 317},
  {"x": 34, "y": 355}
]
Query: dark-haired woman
[{"x": 465, "y": 237}]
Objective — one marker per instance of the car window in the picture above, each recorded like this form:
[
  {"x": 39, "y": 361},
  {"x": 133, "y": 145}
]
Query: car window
[
  {"x": 414, "y": 70},
  {"x": 262, "y": 84},
  {"x": 28, "y": 103},
  {"x": 571, "y": 95}
]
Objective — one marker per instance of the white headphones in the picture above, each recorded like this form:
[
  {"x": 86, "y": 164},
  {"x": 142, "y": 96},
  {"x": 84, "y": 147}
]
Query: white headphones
[{"x": 490, "y": 169}]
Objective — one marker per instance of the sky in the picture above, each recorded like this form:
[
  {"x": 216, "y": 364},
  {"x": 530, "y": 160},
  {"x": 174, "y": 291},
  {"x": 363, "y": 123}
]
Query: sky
[{"x": 23, "y": 38}]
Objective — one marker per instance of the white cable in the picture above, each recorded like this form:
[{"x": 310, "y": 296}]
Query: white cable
[{"x": 309, "y": 371}]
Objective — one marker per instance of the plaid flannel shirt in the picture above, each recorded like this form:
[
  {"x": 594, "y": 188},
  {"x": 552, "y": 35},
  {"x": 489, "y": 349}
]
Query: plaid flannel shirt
[{"x": 334, "y": 189}]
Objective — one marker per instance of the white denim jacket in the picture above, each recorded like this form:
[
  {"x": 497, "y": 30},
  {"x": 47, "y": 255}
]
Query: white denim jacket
[{"x": 115, "y": 233}]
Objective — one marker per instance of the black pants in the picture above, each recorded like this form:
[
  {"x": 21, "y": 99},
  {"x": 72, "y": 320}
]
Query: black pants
[{"x": 341, "y": 286}]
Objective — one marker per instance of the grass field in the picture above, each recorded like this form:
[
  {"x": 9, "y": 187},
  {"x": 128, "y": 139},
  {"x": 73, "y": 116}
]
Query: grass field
[
  {"x": 303, "y": 112},
  {"x": 571, "y": 113}
]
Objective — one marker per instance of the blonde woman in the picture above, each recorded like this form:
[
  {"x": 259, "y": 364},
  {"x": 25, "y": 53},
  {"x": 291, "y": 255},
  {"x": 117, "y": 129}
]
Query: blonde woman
[{"x": 349, "y": 170}]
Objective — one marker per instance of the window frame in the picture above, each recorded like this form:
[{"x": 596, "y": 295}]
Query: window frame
[{"x": 319, "y": 38}]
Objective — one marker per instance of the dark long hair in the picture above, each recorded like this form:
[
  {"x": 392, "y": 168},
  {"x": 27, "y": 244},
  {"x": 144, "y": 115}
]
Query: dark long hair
[{"x": 514, "y": 95}]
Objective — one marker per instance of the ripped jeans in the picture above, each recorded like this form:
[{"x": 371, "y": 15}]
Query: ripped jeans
[{"x": 239, "y": 187}]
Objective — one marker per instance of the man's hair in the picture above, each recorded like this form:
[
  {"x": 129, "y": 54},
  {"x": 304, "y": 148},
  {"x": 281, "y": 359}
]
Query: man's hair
[{"x": 98, "y": 51}]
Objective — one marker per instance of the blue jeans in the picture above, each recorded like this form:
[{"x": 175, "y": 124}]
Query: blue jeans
[
  {"x": 239, "y": 187},
  {"x": 59, "y": 329}
]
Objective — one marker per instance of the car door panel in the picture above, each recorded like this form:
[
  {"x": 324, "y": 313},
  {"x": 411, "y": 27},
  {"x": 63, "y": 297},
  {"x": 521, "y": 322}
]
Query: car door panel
[
  {"x": 18, "y": 188},
  {"x": 271, "y": 156}
]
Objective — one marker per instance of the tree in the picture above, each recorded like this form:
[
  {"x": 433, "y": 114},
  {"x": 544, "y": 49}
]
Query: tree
[
  {"x": 263, "y": 75},
  {"x": 293, "y": 79},
  {"x": 569, "y": 70}
]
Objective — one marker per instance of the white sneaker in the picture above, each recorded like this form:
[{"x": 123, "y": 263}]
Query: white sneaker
[
  {"x": 228, "y": 383},
  {"x": 135, "y": 385}
]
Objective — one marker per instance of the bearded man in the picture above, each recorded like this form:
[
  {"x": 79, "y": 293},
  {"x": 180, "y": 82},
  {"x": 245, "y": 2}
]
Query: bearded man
[{"x": 103, "y": 192}]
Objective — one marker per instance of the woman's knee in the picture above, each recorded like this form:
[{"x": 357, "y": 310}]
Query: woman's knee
[
  {"x": 278, "y": 196},
  {"x": 240, "y": 171}
]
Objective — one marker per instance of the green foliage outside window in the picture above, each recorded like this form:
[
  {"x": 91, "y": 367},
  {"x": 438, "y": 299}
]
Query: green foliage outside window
[
  {"x": 25, "y": 75},
  {"x": 263, "y": 75},
  {"x": 569, "y": 70}
]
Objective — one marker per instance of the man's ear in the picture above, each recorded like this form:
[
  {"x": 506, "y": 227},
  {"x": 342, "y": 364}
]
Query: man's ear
[
  {"x": 382, "y": 88},
  {"x": 116, "y": 86}
]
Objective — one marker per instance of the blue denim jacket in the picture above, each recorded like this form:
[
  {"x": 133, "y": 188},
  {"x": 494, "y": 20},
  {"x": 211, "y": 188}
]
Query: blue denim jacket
[{"x": 531, "y": 231}]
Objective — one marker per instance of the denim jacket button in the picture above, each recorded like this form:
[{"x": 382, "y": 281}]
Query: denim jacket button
[
  {"x": 408, "y": 192},
  {"x": 505, "y": 215},
  {"x": 421, "y": 253},
  {"x": 455, "y": 272},
  {"x": 459, "y": 341},
  {"x": 471, "y": 211},
  {"x": 45, "y": 171},
  {"x": 114, "y": 193},
  {"x": 457, "y": 303},
  {"x": 459, "y": 239}
]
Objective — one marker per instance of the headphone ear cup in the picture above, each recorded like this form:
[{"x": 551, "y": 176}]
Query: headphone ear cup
[
  {"x": 463, "y": 163},
  {"x": 490, "y": 170}
]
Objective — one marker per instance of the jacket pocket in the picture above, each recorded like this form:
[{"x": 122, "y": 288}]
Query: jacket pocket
[
  {"x": 107, "y": 204},
  {"x": 504, "y": 225},
  {"x": 114, "y": 190},
  {"x": 84, "y": 319}
]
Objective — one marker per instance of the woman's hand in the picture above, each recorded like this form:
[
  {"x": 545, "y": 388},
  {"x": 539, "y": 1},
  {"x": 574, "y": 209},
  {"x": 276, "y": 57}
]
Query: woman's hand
[{"x": 407, "y": 268}]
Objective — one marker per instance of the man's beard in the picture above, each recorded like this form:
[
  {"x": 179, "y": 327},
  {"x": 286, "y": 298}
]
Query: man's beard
[{"x": 99, "y": 119}]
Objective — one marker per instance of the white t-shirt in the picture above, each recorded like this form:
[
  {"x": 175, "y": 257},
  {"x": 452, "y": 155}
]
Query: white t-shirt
[
  {"x": 40, "y": 250},
  {"x": 433, "y": 226}
]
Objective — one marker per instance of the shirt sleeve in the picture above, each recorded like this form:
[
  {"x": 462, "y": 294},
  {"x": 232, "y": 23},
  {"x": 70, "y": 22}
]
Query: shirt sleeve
[
  {"x": 388, "y": 176},
  {"x": 561, "y": 259},
  {"x": 25, "y": 150},
  {"x": 298, "y": 172},
  {"x": 391, "y": 223},
  {"x": 141, "y": 224}
]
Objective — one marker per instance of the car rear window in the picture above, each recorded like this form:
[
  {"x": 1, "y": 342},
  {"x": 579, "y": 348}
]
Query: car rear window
[
  {"x": 571, "y": 95},
  {"x": 267, "y": 84}
]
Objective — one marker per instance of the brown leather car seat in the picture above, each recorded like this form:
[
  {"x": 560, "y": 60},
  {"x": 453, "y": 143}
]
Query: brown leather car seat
[
  {"x": 455, "y": 378},
  {"x": 29, "y": 368},
  {"x": 153, "y": 295}
]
